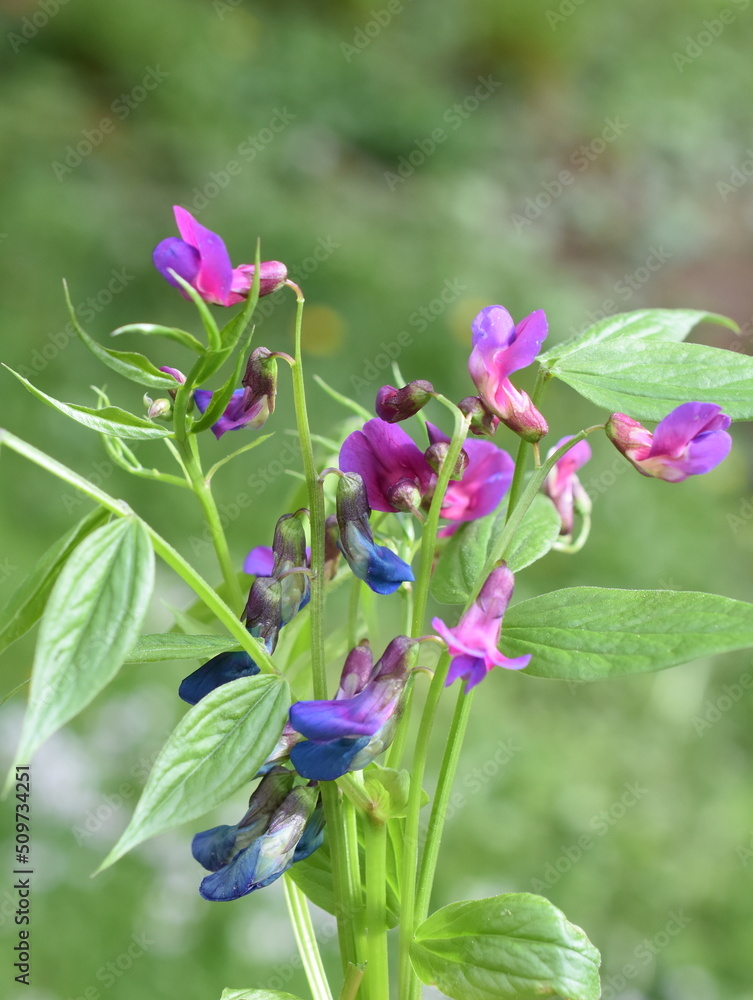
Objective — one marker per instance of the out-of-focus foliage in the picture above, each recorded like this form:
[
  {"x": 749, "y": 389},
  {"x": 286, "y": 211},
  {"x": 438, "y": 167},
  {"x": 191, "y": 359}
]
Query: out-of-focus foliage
[{"x": 271, "y": 122}]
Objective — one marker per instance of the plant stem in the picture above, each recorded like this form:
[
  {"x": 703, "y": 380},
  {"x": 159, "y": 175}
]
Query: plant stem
[
  {"x": 353, "y": 977},
  {"x": 305, "y": 937},
  {"x": 441, "y": 801},
  {"x": 377, "y": 973},
  {"x": 189, "y": 452},
  {"x": 521, "y": 458},
  {"x": 347, "y": 894}
]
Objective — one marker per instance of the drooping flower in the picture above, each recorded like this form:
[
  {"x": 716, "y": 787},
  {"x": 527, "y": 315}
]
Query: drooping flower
[
  {"x": 393, "y": 468},
  {"x": 379, "y": 567},
  {"x": 251, "y": 405},
  {"x": 347, "y": 733},
  {"x": 284, "y": 824},
  {"x": 689, "y": 441},
  {"x": 484, "y": 483},
  {"x": 393, "y": 405},
  {"x": 563, "y": 487},
  {"x": 200, "y": 257},
  {"x": 473, "y": 642},
  {"x": 499, "y": 349},
  {"x": 273, "y": 601}
]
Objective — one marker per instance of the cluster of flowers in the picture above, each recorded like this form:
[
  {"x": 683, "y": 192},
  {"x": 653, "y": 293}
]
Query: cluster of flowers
[{"x": 382, "y": 468}]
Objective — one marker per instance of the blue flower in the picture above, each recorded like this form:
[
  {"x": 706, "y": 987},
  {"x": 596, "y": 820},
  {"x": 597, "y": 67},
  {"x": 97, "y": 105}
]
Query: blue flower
[
  {"x": 379, "y": 567},
  {"x": 219, "y": 670},
  {"x": 284, "y": 824}
]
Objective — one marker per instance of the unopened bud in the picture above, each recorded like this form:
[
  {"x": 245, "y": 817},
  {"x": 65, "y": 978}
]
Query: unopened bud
[
  {"x": 261, "y": 381},
  {"x": 331, "y": 548},
  {"x": 483, "y": 422},
  {"x": 264, "y": 610},
  {"x": 393, "y": 405},
  {"x": 436, "y": 454},
  {"x": 159, "y": 408},
  {"x": 627, "y": 434},
  {"x": 405, "y": 496}
]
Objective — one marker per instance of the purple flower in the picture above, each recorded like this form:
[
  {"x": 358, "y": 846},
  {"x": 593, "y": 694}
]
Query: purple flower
[
  {"x": 499, "y": 349},
  {"x": 392, "y": 466},
  {"x": 689, "y": 441},
  {"x": 563, "y": 487},
  {"x": 251, "y": 405},
  {"x": 485, "y": 481},
  {"x": 473, "y": 642},
  {"x": 200, "y": 257},
  {"x": 347, "y": 733},
  {"x": 259, "y": 561}
]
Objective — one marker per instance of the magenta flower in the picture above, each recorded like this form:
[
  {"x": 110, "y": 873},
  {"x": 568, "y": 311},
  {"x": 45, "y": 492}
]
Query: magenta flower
[
  {"x": 499, "y": 349},
  {"x": 473, "y": 642},
  {"x": 485, "y": 481},
  {"x": 563, "y": 487},
  {"x": 393, "y": 468},
  {"x": 200, "y": 257},
  {"x": 689, "y": 441}
]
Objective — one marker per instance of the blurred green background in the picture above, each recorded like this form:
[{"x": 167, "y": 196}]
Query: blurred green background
[{"x": 110, "y": 114}]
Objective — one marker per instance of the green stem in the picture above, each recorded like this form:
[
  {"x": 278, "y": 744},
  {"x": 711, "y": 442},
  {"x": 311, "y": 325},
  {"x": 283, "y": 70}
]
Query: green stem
[
  {"x": 355, "y": 597},
  {"x": 353, "y": 977},
  {"x": 377, "y": 973},
  {"x": 524, "y": 446},
  {"x": 189, "y": 453},
  {"x": 305, "y": 937},
  {"x": 342, "y": 850},
  {"x": 441, "y": 801}
]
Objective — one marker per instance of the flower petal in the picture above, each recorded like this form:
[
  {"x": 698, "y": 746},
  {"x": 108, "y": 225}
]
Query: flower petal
[
  {"x": 174, "y": 254},
  {"x": 215, "y": 274},
  {"x": 684, "y": 423},
  {"x": 326, "y": 761}
]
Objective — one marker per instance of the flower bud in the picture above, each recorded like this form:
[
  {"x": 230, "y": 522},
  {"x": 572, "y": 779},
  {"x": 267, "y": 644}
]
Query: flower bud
[
  {"x": 331, "y": 547},
  {"x": 483, "y": 422},
  {"x": 289, "y": 549},
  {"x": 393, "y": 405},
  {"x": 264, "y": 610},
  {"x": 159, "y": 408},
  {"x": 261, "y": 381},
  {"x": 627, "y": 434},
  {"x": 436, "y": 455},
  {"x": 405, "y": 496}
]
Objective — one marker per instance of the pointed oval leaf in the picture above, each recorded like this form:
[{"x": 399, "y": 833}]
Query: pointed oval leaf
[
  {"x": 456, "y": 575},
  {"x": 657, "y": 324},
  {"x": 92, "y": 618},
  {"x": 26, "y": 604},
  {"x": 218, "y": 746},
  {"x": 175, "y": 646},
  {"x": 647, "y": 378},
  {"x": 590, "y": 633},
  {"x": 512, "y": 947},
  {"x": 169, "y": 332},
  {"x": 107, "y": 420},
  {"x": 256, "y": 995}
]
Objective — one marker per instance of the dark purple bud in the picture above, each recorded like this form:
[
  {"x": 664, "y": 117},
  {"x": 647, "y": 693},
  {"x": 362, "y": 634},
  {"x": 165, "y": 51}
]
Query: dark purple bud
[
  {"x": 264, "y": 610},
  {"x": 436, "y": 455},
  {"x": 289, "y": 549},
  {"x": 483, "y": 422},
  {"x": 261, "y": 380},
  {"x": 331, "y": 548},
  {"x": 405, "y": 496},
  {"x": 393, "y": 405}
]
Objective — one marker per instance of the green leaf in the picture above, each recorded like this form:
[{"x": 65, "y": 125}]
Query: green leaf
[
  {"x": 590, "y": 633},
  {"x": 511, "y": 947},
  {"x": 648, "y": 378},
  {"x": 256, "y": 995},
  {"x": 175, "y": 646},
  {"x": 107, "y": 420},
  {"x": 212, "y": 331},
  {"x": 218, "y": 746},
  {"x": 169, "y": 332},
  {"x": 657, "y": 324},
  {"x": 456, "y": 575},
  {"x": 92, "y": 618},
  {"x": 26, "y": 604},
  {"x": 221, "y": 397},
  {"x": 130, "y": 364}
]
